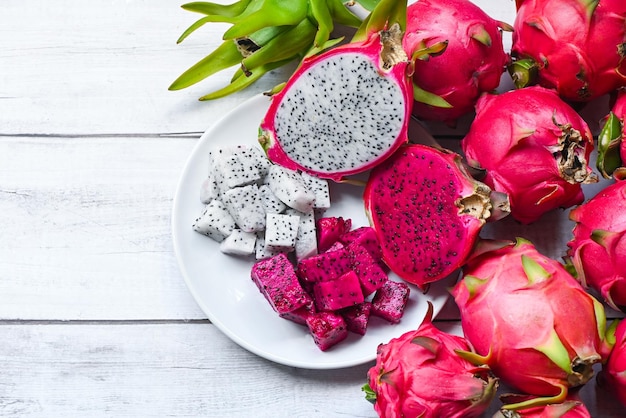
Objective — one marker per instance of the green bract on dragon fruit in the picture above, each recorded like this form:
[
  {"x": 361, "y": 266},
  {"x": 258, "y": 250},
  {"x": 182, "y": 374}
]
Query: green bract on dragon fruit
[
  {"x": 447, "y": 85},
  {"x": 613, "y": 374},
  {"x": 533, "y": 147},
  {"x": 612, "y": 139},
  {"x": 575, "y": 46}
]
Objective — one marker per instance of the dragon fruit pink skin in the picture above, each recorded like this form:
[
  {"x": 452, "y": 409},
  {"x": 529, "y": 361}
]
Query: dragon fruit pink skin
[
  {"x": 597, "y": 250},
  {"x": 534, "y": 147},
  {"x": 575, "y": 46},
  {"x": 426, "y": 211},
  {"x": 345, "y": 110},
  {"x": 613, "y": 374},
  {"x": 572, "y": 407},
  {"x": 530, "y": 321},
  {"x": 472, "y": 63},
  {"x": 419, "y": 374}
]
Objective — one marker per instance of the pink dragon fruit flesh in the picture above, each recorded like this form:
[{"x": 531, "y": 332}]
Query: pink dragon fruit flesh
[
  {"x": 575, "y": 46},
  {"x": 419, "y": 374},
  {"x": 345, "y": 110},
  {"x": 447, "y": 85},
  {"x": 427, "y": 212},
  {"x": 611, "y": 141},
  {"x": 533, "y": 147},
  {"x": 530, "y": 321},
  {"x": 597, "y": 250},
  {"x": 613, "y": 374}
]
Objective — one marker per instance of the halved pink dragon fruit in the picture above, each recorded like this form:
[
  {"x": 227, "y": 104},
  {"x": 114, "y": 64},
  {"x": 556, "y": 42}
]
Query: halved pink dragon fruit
[
  {"x": 613, "y": 374},
  {"x": 427, "y": 212},
  {"x": 447, "y": 86},
  {"x": 419, "y": 374},
  {"x": 612, "y": 139},
  {"x": 575, "y": 46},
  {"x": 345, "y": 110},
  {"x": 534, "y": 147},
  {"x": 597, "y": 250},
  {"x": 530, "y": 321}
]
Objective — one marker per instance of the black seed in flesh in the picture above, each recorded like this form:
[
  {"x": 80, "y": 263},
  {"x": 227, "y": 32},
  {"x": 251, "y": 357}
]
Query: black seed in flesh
[{"x": 340, "y": 115}]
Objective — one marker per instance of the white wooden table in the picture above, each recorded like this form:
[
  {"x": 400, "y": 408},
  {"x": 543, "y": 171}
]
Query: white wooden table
[{"x": 95, "y": 318}]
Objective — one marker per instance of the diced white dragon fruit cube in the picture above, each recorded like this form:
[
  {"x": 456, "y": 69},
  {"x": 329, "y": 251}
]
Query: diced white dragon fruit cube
[
  {"x": 271, "y": 203},
  {"x": 244, "y": 204},
  {"x": 306, "y": 240},
  {"x": 320, "y": 189},
  {"x": 215, "y": 221},
  {"x": 209, "y": 189},
  {"x": 281, "y": 231},
  {"x": 239, "y": 243},
  {"x": 262, "y": 251},
  {"x": 245, "y": 165},
  {"x": 289, "y": 187}
]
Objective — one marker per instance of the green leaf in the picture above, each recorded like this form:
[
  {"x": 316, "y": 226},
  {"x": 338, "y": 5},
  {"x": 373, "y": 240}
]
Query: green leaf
[
  {"x": 208, "y": 8},
  {"x": 370, "y": 395},
  {"x": 368, "y": 4},
  {"x": 426, "y": 97},
  {"x": 243, "y": 81},
  {"x": 225, "y": 56},
  {"x": 321, "y": 15},
  {"x": 271, "y": 13},
  {"x": 285, "y": 45},
  {"x": 342, "y": 15},
  {"x": 199, "y": 23}
]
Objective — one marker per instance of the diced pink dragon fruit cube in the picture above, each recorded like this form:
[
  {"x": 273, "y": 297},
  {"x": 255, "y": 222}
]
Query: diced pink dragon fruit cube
[
  {"x": 370, "y": 272},
  {"x": 357, "y": 317},
  {"x": 390, "y": 300},
  {"x": 327, "y": 329},
  {"x": 329, "y": 230},
  {"x": 339, "y": 293},
  {"x": 365, "y": 236},
  {"x": 300, "y": 314},
  {"x": 324, "y": 266},
  {"x": 277, "y": 281}
]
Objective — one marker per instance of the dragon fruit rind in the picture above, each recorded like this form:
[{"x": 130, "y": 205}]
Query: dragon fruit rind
[
  {"x": 534, "y": 147},
  {"x": 419, "y": 374},
  {"x": 597, "y": 250},
  {"x": 427, "y": 212},
  {"x": 575, "y": 46},
  {"x": 448, "y": 85},
  {"x": 530, "y": 321},
  {"x": 613, "y": 374},
  {"x": 572, "y": 407},
  {"x": 346, "y": 109}
]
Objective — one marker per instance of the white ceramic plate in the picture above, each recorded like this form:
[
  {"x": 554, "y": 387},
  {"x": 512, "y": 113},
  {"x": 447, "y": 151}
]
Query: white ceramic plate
[{"x": 222, "y": 286}]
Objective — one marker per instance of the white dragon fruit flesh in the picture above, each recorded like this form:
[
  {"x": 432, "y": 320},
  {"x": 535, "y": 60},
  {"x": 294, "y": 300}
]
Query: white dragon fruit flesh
[
  {"x": 289, "y": 187},
  {"x": 244, "y": 205},
  {"x": 346, "y": 109},
  {"x": 427, "y": 212},
  {"x": 215, "y": 221},
  {"x": 239, "y": 243}
]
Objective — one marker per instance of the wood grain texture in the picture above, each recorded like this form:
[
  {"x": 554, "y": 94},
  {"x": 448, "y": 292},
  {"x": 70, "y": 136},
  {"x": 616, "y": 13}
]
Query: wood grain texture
[{"x": 95, "y": 319}]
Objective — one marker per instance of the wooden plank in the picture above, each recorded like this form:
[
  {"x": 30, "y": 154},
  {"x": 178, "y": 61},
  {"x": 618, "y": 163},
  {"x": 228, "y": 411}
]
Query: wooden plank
[
  {"x": 86, "y": 229},
  {"x": 145, "y": 370}
]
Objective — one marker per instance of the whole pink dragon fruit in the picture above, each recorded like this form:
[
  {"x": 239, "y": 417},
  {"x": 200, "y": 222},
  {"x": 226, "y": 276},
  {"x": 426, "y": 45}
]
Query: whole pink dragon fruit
[
  {"x": 347, "y": 109},
  {"x": 427, "y": 212},
  {"x": 448, "y": 85},
  {"x": 613, "y": 374},
  {"x": 534, "y": 147},
  {"x": 597, "y": 250},
  {"x": 419, "y": 374},
  {"x": 611, "y": 141},
  {"x": 530, "y": 321},
  {"x": 575, "y": 46}
]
